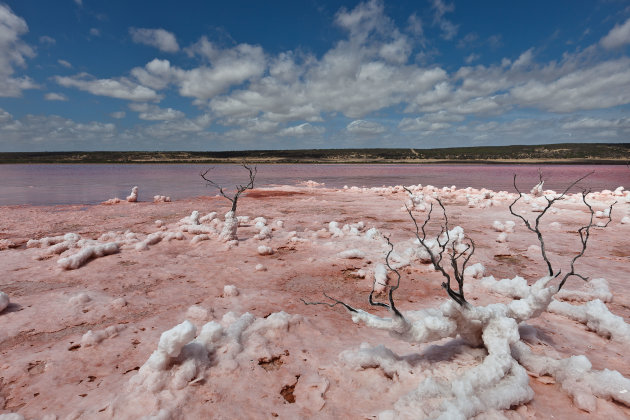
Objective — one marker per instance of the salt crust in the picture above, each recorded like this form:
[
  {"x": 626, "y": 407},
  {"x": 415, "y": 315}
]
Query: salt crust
[
  {"x": 133, "y": 197},
  {"x": 4, "y": 301},
  {"x": 185, "y": 356},
  {"x": 596, "y": 316},
  {"x": 497, "y": 383}
]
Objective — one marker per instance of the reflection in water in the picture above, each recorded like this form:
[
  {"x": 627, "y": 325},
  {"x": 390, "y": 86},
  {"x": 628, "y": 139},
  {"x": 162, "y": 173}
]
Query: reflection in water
[{"x": 91, "y": 184}]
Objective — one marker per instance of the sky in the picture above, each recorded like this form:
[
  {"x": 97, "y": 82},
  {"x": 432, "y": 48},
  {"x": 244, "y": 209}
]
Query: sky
[{"x": 301, "y": 74}]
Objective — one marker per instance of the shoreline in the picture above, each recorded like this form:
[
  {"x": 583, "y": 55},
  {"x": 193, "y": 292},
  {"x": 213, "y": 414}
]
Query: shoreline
[{"x": 344, "y": 162}]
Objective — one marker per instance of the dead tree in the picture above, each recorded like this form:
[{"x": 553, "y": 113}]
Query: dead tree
[
  {"x": 228, "y": 233},
  {"x": 583, "y": 231},
  {"x": 447, "y": 250},
  {"x": 239, "y": 188}
]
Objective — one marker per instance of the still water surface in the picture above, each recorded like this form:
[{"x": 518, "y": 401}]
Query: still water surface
[{"x": 91, "y": 184}]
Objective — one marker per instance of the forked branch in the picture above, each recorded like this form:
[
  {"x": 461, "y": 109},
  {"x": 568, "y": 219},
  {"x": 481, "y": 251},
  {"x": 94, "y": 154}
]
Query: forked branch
[
  {"x": 585, "y": 232},
  {"x": 442, "y": 241},
  {"x": 391, "y": 306},
  {"x": 239, "y": 188},
  {"x": 536, "y": 227}
]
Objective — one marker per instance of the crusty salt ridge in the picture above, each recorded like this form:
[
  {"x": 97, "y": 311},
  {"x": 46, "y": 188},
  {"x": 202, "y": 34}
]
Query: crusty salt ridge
[{"x": 302, "y": 363}]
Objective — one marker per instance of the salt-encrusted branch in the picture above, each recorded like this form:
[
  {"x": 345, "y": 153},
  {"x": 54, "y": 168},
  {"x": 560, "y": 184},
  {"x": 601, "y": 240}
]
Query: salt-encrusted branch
[
  {"x": 585, "y": 232},
  {"x": 454, "y": 255},
  {"x": 239, "y": 188},
  {"x": 536, "y": 227},
  {"x": 392, "y": 288},
  {"x": 390, "y": 295}
]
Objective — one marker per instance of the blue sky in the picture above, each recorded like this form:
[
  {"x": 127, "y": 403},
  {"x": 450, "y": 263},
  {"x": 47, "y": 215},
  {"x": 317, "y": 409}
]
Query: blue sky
[{"x": 209, "y": 75}]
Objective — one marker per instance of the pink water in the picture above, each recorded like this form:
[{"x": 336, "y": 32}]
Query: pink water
[{"x": 90, "y": 184}]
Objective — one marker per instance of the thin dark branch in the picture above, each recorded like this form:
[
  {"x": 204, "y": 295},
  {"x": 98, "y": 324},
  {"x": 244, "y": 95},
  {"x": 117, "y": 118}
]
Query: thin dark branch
[
  {"x": 585, "y": 232},
  {"x": 239, "y": 188},
  {"x": 436, "y": 260},
  {"x": 331, "y": 305},
  {"x": 392, "y": 288},
  {"x": 536, "y": 227}
]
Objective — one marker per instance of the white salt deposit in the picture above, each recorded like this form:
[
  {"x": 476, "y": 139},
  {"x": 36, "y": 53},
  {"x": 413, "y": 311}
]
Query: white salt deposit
[
  {"x": 351, "y": 253},
  {"x": 4, "y": 301},
  {"x": 265, "y": 250},
  {"x": 161, "y": 199},
  {"x": 96, "y": 251},
  {"x": 92, "y": 338},
  {"x": 597, "y": 318},
  {"x": 230, "y": 291},
  {"x": 230, "y": 226},
  {"x": 380, "y": 278},
  {"x": 592, "y": 289},
  {"x": 133, "y": 197}
]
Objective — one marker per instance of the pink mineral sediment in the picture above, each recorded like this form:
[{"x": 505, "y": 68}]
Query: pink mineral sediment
[{"x": 78, "y": 343}]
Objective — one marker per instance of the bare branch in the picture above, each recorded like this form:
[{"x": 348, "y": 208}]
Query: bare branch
[
  {"x": 536, "y": 226},
  {"x": 585, "y": 232},
  {"x": 436, "y": 260},
  {"x": 332, "y": 305},
  {"x": 392, "y": 288},
  {"x": 239, "y": 188}
]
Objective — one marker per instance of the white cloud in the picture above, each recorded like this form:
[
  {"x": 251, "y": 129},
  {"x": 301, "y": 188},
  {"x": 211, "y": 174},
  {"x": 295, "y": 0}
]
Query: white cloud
[
  {"x": 362, "y": 127},
  {"x": 414, "y": 25},
  {"x": 524, "y": 60},
  {"x": 472, "y": 57},
  {"x": 596, "y": 123},
  {"x": 47, "y": 40},
  {"x": 79, "y": 2},
  {"x": 13, "y": 52},
  {"x": 118, "y": 115},
  {"x": 421, "y": 124},
  {"x": 52, "y": 132},
  {"x": 95, "y": 32},
  {"x": 52, "y": 96},
  {"x": 228, "y": 68},
  {"x": 449, "y": 29},
  {"x": 158, "y": 38},
  {"x": 121, "y": 88},
  {"x": 65, "y": 63},
  {"x": 603, "y": 85},
  {"x": 156, "y": 74},
  {"x": 302, "y": 130},
  {"x": 154, "y": 113},
  {"x": 617, "y": 37}
]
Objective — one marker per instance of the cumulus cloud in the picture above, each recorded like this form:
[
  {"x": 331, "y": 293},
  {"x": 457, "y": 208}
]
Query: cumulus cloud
[
  {"x": 422, "y": 124},
  {"x": 154, "y": 113},
  {"x": 158, "y": 38},
  {"x": 604, "y": 85},
  {"x": 302, "y": 130},
  {"x": 362, "y": 127},
  {"x": 36, "y": 132},
  {"x": 13, "y": 52},
  {"x": 118, "y": 115},
  {"x": 121, "y": 88},
  {"x": 228, "y": 67},
  {"x": 596, "y": 123},
  {"x": 52, "y": 96},
  {"x": 440, "y": 8},
  {"x": 95, "y": 32},
  {"x": 617, "y": 37}
]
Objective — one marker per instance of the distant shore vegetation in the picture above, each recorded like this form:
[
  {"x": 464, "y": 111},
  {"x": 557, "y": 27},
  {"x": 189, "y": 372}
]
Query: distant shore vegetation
[{"x": 578, "y": 153}]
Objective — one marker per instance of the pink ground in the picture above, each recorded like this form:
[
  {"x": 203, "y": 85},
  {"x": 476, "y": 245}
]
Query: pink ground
[{"x": 297, "y": 371}]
